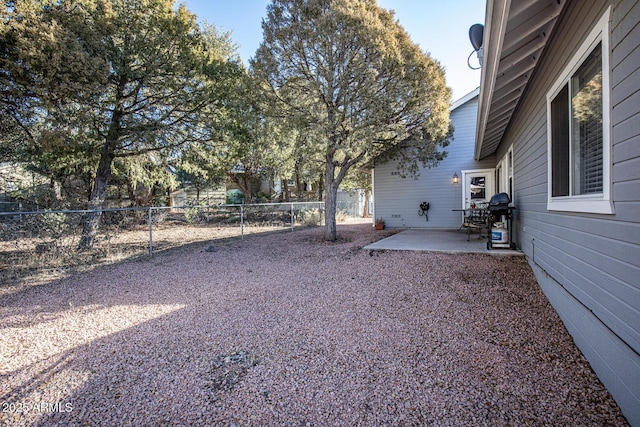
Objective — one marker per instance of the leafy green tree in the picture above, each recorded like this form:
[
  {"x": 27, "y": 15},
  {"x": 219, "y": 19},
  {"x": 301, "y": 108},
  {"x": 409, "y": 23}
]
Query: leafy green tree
[
  {"x": 248, "y": 144},
  {"x": 113, "y": 79},
  {"x": 291, "y": 157},
  {"x": 308, "y": 165},
  {"x": 28, "y": 133},
  {"x": 189, "y": 173},
  {"x": 350, "y": 73},
  {"x": 147, "y": 178},
  {"x": 244, "y": 150}
]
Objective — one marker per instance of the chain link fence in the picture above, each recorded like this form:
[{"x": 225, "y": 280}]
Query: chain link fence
[{"x": 46, "y": 243}]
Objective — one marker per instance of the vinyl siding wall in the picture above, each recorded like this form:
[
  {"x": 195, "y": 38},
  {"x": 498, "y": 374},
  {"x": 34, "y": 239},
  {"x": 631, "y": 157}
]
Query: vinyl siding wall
[
  {"x": 588, "y": 264},
  {"x": 397, "y": 200}
]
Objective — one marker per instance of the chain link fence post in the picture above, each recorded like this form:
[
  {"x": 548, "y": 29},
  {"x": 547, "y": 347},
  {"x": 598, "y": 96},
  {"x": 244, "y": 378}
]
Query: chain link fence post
[
  {"x": 150, "y": 232},
  {"x": 241, "y": 223},
  {"x": 292, "y": 218}
]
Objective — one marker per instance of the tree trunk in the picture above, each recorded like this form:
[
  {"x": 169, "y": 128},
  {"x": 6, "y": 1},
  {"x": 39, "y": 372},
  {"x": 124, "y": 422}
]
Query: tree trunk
[
  {"x": 91, "y": 220},
  {"x": 331, "y": 196},
  {"x": 132, "y": 193},
  {"x": 320, "y": 188},
  {"x": 331, "y": 184},
  {"x": 365, "y": 209},
  {"x": 330, "y": 205},
  {"x": 299, "y": 189},
  {"x": 285, "y": 189},
  {"x": 247, "y": 188},
  {"x": 153, "y": 195},
  {"x": 57, "y": 189}
]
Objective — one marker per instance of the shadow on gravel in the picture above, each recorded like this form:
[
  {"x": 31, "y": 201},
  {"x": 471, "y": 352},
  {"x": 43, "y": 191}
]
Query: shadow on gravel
[{"x": 287, "y": 329}]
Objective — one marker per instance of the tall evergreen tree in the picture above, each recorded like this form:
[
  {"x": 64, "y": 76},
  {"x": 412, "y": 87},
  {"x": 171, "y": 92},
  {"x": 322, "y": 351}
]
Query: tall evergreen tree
[
  {"x": 349, "y": 71},
  {"x": 248, "y": 143},
  {"x": 108, "y": 79}
]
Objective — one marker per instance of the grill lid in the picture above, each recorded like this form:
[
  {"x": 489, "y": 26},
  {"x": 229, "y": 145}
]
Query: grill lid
[{"x": 500, "y": 199}]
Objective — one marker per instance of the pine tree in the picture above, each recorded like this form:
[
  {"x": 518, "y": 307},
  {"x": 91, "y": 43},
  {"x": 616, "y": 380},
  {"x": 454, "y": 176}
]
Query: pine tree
[
  {"x": 113, "y": 79},
  {"x": 349, "y": 71}
]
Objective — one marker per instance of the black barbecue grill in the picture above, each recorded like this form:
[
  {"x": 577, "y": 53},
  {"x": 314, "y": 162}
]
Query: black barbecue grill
[{"x": 500, "y": 211}]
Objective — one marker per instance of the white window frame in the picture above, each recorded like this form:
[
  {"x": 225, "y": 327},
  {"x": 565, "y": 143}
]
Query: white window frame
[
  {"x": 589, "y": 203},
  {"x": 504, "y": 172}
]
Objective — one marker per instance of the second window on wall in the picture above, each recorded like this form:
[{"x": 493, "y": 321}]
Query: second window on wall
[
  {"x": 576, "y": 124},
  {"x": 578, "y": 129}
]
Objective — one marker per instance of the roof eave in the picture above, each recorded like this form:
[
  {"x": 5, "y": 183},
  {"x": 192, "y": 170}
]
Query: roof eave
[{"x": 496, "y": 17}]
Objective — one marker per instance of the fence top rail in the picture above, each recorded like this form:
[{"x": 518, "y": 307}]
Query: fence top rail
[
  {"x": 70, "y": 211},
  {"x": 237, "y": 205},
  {"x": 146, "y": 208}
]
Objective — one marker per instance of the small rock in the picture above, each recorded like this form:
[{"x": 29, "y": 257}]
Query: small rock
[{"x": 211, "y": 249}]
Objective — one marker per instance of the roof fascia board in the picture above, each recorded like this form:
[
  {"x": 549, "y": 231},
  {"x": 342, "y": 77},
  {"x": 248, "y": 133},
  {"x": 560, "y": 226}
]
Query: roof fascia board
[
  {"x": 466, "y": 98},
  {"x": 497, "y": 14}
]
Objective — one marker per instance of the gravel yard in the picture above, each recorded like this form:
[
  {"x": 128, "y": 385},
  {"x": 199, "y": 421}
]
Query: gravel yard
[{"x": 285, "y": 329}]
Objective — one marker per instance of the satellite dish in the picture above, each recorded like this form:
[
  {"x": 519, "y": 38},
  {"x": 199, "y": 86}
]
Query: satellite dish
[{"x": 476, "y": 33}]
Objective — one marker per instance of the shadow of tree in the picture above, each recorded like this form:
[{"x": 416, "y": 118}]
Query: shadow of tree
[{"x": 146, "y": 373}]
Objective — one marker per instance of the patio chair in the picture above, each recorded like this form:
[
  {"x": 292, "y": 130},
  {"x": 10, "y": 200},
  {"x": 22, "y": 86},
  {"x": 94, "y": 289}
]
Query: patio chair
[{"x": 476, "y": 219}]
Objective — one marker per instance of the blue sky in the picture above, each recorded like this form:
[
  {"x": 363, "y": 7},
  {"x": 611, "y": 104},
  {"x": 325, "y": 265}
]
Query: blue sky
[{"x": 440, "y": 27}]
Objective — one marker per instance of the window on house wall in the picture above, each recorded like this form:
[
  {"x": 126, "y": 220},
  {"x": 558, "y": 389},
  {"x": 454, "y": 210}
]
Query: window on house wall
[
  {"x": 504, "y": 174},
  {"x": 578, "y": 129},
  {"x": 576, "y": 123}
]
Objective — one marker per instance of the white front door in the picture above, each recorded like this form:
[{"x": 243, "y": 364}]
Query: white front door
[{"x": 478, "y": 188}]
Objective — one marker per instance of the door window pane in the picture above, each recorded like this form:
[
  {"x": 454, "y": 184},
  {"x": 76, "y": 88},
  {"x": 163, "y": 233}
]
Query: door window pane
[{"x": 478, "y": 188}]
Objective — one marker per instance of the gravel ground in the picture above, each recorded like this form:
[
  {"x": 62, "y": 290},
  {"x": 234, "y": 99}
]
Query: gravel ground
[{"x": 285, "y": 329}]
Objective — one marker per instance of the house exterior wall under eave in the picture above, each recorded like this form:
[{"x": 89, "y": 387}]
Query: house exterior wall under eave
[{"x": 588, "y": 264}]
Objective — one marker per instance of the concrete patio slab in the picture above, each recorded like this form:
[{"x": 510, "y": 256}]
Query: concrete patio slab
[{"x": 446, "y": 241}]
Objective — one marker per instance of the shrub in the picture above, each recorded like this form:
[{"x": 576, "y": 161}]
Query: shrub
[
  {"x": 195, "y": 215},
  {"x": 309, "y": 217}
]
